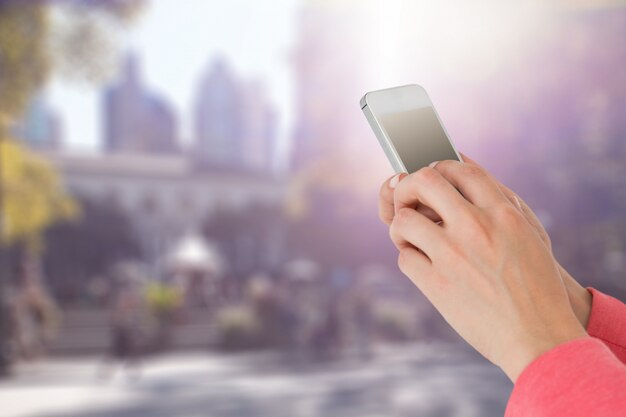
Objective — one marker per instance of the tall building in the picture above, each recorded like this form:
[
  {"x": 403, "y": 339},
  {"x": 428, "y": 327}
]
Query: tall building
[
  {"x": 135, "y": 119},
  {"x": 40, "y": 127},
  {"x": 218, "y": 119},
  {"x": 235, "y": 127},
  {"x": 260, "y": 135}
]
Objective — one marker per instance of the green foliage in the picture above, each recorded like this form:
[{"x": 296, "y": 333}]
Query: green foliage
[
  {"x": 32, "y": 196},
  {"x": 75, "y": 38},
  {"x": 84, "y": 35},
  {"x": 24, "y": 58},
  {"x": 37, "y": 37},
  {"x": 163, "y": 297}
]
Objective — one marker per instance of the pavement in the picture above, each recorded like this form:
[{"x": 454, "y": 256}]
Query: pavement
[{"x": 434, "y": 380}]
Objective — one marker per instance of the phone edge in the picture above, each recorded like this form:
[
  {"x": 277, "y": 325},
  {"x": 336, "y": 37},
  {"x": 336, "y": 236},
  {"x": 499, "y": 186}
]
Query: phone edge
[{"x": 383, "y": 140}]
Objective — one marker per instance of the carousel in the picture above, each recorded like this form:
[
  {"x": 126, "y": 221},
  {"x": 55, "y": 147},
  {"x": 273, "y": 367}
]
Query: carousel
[{"x": 196, "y": 267}]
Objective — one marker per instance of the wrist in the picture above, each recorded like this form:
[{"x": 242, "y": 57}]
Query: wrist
[
  {"x": 580, "y": 298},
  {"x": 533, "y": 346}
]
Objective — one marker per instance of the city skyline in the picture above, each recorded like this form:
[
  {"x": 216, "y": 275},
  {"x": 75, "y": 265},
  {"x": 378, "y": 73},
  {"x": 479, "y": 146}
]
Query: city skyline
[
  {"x": 174, "y": 64},
  {"x": 234, "y": 122}
]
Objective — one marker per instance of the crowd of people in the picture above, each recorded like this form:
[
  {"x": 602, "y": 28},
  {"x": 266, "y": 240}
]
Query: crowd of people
[{"x": 307, "y": 318}]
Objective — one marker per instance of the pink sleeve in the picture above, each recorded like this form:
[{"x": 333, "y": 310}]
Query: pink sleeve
[
  {"x": 607, "y": 322},
  {"x": 580, "y": 378}
]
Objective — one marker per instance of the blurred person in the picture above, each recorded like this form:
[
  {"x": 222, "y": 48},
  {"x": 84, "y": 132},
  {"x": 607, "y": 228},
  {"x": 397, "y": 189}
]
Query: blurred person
[
  {"x": 483, "y": 259},
  {"x": 361, "y": 306},
  {"x": 326, "y": 339},
  {"x": 196, "y": 294},
  {"x": 164, "y": 300},
  {"x": 305, "y": 316},
  {"x": 98, "y": 291},
  {"x": 286, "y": 316},
  {"x": 125, "y": 318},
  {"x": 9, "y": 310},
  {"x": 266, "y": 305}
]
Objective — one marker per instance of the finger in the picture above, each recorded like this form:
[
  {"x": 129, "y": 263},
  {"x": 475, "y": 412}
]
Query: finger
[
  {"x": 472, "y": 181},
  {"x": 428, "y": 187},
  {"x": 508, "y": 193},
  {"x": 412, "y": 229},
  {"x": 530, "y": 216},
  {"x": 518, "y": 202},
  {"x": 428, "y": 212},
  {"x": 415, "y": 265},
  {"x": 385, "y": 201},
  {"x": 385, "y": 198},
  {"x": 468, "y": 160}
]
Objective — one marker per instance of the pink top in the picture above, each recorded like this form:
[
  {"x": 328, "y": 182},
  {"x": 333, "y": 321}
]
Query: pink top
[{"x": 585, "y": 377}]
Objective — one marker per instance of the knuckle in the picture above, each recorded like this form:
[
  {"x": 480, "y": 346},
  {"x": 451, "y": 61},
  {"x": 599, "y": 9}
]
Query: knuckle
[
  {"x": 393, "y": 231},
  {"x": 472, "y": 170},
  {"x": 404, "y": 215},
  {"x": 507, "y": 214},
  {"x": 385, "y": 198},
  {"x": 383, "y": 191},
  {"x": 383, "y": 216},
  {"x": 446, "y": 164},
  {"x": 426, "y": 175}
]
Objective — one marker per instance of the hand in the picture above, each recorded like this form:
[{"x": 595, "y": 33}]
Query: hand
[
  {"x": 580, "y": 298},
  {"x": 485, "y": 268}
]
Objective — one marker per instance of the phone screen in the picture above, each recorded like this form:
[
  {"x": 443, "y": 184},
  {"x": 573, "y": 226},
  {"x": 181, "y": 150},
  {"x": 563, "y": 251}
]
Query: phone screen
[{"x": 418, "y": 137}]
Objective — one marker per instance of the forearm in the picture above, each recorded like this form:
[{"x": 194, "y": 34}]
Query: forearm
[{"x": 580, "y": 378}]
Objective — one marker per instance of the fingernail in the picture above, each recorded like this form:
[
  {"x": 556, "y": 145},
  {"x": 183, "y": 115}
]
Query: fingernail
[
  {"x": 394, "y": 181},
  {"x": 519, "y": 204},
  {"x": 432, "y": 164}
]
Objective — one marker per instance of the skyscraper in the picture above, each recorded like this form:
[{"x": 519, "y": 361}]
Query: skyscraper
[
  {"x": 260, "y": 135},
  {"x": 235, "y": 126},
  {"x": 135, "y": 119},
  {"x": 218, "y": 119}
]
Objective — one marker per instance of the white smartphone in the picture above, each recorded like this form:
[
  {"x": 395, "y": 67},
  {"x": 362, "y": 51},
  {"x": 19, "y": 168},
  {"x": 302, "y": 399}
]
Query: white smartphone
[{"x": 408, "y": 127}]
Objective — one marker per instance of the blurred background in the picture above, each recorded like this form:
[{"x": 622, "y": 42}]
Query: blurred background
[{"x": 188, "y": 190}]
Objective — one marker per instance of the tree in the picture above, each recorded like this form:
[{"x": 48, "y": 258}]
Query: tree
[
  {"x": 73, "y": 37},
  {"x": 33, "y": 198},
  {"x": 36, "y": 37}
]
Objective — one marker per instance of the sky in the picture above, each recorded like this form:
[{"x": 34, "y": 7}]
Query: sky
[{"x": 176, "y": 42}]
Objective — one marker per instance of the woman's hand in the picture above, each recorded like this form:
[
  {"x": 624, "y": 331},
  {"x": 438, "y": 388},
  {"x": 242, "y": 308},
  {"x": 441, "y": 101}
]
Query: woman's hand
[
  {"x": 484, "y": 267},
  {"x": 580, "y": 298}
]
